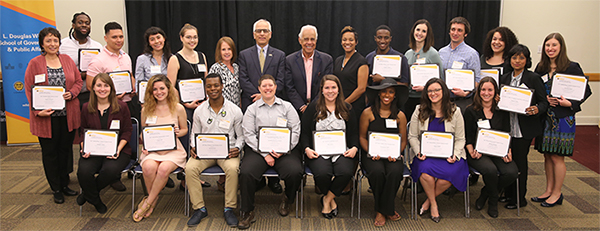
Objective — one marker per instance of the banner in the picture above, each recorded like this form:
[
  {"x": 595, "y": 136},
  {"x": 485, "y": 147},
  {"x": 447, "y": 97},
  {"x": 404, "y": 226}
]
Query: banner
[{"x": 21, "y": 22}]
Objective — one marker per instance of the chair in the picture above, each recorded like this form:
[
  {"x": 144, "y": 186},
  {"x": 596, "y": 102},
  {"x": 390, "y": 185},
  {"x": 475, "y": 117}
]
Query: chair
[
  {"x": 138, "y": 171},
  {"x": 308, "y": 172},
  {"x": 474, "y": 171}
]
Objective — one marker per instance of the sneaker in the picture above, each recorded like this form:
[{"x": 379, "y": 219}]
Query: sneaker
[
  {"x": 230, "y": 218},
  {"x": 197, "y": 217}
]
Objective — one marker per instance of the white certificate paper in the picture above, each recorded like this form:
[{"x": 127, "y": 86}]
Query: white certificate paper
[
  {"x": 461, "y": 79},
  {"x": 330, "y": 142},
  {"x": 159, "y": 138},
  {"x": 212, "y": 146},
  {"x": 420, "y": 74},
  {"x": 515, "y": 99},
  {"x": 437, "y": 144},
  {"x": 100, "y": 142},
  {"x": 142, "y": 85},
  {"x": 85, "y": 56},
  {"x": 122, "y": 81},
  {"x": 494, "y": 73},
  {"x": 191, "y": 89},
  {"x": 384, "y": 144},
  {"x": 491, "y": 142},
  {"x": 276, "y": 139},
  {"x": 387, "y": 65},
  {"x": 47, "y": 97},
  {"x": 569, "y": 86}
]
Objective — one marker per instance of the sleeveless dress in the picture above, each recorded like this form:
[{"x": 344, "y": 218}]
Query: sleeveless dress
[
  {"x": 177, "y": 156},
  {"x": 190, "y": 71}
]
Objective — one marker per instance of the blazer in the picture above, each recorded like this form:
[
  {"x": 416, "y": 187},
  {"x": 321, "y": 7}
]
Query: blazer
[
  {"x": 295, "y": 76},
  {"x": 531, "y": 126},
  {"x": 309, "y": 125},
  {"x": 41, "y": 126},
  {"x": 92, "y": 121},
  {"x": 250, "y": 72}
]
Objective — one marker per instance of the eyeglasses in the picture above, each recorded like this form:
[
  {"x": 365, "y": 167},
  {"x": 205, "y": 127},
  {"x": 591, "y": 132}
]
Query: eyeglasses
[
  {"x": 258, "y": 31},
  {"x": 433, "y": 90}
]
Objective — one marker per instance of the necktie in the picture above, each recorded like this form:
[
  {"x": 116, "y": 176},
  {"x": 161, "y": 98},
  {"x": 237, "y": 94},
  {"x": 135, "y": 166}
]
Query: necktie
[{"x": 261, "y": 59}]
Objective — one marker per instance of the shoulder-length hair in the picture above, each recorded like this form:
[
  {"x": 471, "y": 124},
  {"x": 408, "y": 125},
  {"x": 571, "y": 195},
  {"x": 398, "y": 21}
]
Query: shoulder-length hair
[
  {"x": 426, "y": 111},
  {"x": 45, "y": 32},
  {"x": 509, "y": 38},
  {"x": 562, "y": 60},
  {"x": 521, "y": 49},
  {"x": 112, "y": 96},
  {"x": 393, "y": 107},
  {"x": 166, "y": 47},
  {"x": 229, "y": 41},
  {"x": 477, "y": 101},
  {"x": 149, "y": 100},
  {"x": 341, "y": 110},
  {"x": 429, "y": 40}
]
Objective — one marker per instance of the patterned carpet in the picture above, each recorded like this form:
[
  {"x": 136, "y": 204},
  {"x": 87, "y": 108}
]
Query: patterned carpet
[{"x": 26, "y": 204}]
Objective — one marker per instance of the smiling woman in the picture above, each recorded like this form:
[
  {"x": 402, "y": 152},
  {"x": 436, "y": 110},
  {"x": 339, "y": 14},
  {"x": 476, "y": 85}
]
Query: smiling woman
[{"x": 157, "y": 52}]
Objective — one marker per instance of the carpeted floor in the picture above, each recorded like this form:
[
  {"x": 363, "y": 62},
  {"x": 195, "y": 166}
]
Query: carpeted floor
[
  {"x": 26, "y": 204},
  {"x": 587, "y": 146}
]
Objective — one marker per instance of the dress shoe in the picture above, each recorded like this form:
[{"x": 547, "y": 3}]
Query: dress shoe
[
  {"x": 436, "y": 219},
  {"x": 513, "y": 205},
  {"x": 334, "y": 212},
  {"x": 247, "y": 219},
  {"x": 206, "y": 184},
  {"x": 230, "y": 218},
  {"x": 557, "y": 202},
  {"x": 197, "y": 217},
  {"x": 80, "y": 199},
  {"x": 504, "y": 199},
  {"x": 492, "y": 209},
  {"x": 118, "y": 186},
  {"x": 539, "y": 199},
  {"x": 58, "y": 197},
  {"x": 480, "y": 202},
  {"x": 328, "y": 215},
  {"x": 275, "y": 187},
  {"x": 68, "y": 192},
  {"x": 100, "y": 207},
  {"x": 423, "y": 211},
  {"x": 170, "y": 183},
  {"x": 284, "y": 207}
]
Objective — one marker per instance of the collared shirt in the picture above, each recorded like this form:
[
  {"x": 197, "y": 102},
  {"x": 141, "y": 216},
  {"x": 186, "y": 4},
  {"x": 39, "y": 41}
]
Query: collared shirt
[
  {"x": 143, "y": 67},
  {"x": 515, "y": 128},
  {"x": 308, "y": 67},
  {"x": 70, "y": 47},
  {"x": 404, "y": 73},
  {"x": 261, "y": 114},
  {"x": 464, "y": 54},
  {"x": 228, "y": 120},
  {"x": 107, "y": 61},
  {"x": 264, "y": 48}
]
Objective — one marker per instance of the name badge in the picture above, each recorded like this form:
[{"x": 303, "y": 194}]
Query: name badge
[
  {"x": 151, "y": 120},
  {"x": 544, "y": 78},
  {"x": 201, "y": 68},
  {"x": 484, "y": 124},
  {"x": 523, "y": 85},
  {"x": 390, "y": 123},
  {"x": 457, "y": 65},
  {"x": 154, "y": 69},
  {"x": 421, "y": 61},
  {"x": 40, "y": 78},
  {"x": 224, "y": 124},
  {"x": 281, "y": 122},
  {"x": 115, "y": 125},
  {"x": 117, "y": 68}
]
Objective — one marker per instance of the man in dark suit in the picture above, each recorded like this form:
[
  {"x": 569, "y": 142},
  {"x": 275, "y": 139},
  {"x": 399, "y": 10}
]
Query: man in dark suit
[
  {"x": 259, "y": 60},
  {"x": 305, "y": 68}
]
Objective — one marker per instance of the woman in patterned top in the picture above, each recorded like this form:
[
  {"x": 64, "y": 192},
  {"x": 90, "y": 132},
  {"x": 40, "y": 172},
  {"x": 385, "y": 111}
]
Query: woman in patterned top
[{"x": 225, "y": 56}]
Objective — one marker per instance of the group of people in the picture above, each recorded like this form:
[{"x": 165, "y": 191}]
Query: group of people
[{"x": 305, "y": 91}]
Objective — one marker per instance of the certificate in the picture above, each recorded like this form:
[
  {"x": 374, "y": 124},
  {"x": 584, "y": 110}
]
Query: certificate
[
  {"x": 494, "y": 73},
  {"x": 420, "y": 74},
  {"x": 569, "y": 86},
  {"x": 85, "y": 56},
  {"x": 492, "y": 142},
  {"x": 122, "y": 81},
  {"x": 515, "y": 99},
  {"x": 278, "y": 139},
  {"x": 191, "y": 89},
  {"x": 47, "y": 97},
  {"x": 437, "y": 144},
  {"x": 159, "y": 138},
  {"x": 212, "y": 146},
  {"x": 387, "y": 65},
  {"x": 384, "y": 144},
  {"x": 330, "y": 142},
  {"x": 142, "y": 85},
  {"x": 100, "y": 142},
  {"x": 461, "y": 79}
]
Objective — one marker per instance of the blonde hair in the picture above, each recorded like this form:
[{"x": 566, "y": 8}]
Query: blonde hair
[{"x": 150, "y": 101}]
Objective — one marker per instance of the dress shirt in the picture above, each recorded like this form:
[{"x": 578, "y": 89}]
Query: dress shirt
[
  {"x": 258, "y": 48},
  {"x": 404, "y": 73},
  {"x": 107, "y": 61},
  {"x": 143, "y": 67},
  {"x": 462, "y": 53},
  {"x": 261, "y": 114},
  {"x": 206, "y": 120},
  {"x": 308, "y": 67},
  {"x": 515, "y": 130}
]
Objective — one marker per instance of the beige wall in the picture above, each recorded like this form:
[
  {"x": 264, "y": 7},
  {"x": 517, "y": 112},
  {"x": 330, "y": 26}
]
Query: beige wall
[{"x": 579, "y": 23}]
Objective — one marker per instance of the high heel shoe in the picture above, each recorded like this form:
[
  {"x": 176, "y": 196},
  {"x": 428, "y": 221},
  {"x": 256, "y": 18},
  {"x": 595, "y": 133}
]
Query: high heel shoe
[
  {"x": 334, "y": 212},
  {"x": 558, "y": 202},
  {"x": 423, "y": 211},
  {"x": 328, "y": 215},
  {"x": 436, "y": 219},
  {"x": 539, "y": 199}
]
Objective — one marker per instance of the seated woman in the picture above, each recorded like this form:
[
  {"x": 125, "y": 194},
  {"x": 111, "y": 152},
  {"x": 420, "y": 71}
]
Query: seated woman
[
  {"x": 497, "y": 172},
  {"x": 436, "y": 113},
  {"x": 161, "y": 106},
  {"x": 103, "y": 111},
  {"x": 330, "y": 112},
  {"x": 385, "y": 175}
]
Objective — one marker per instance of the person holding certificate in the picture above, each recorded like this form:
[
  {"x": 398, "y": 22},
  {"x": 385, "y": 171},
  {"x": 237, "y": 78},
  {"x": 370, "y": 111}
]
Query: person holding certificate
[
  {"x": 523, "y": 127},
  {"x": 384, "y": 173},
  {"x": 330, "y": 112},
  {"x": 269, "y": 111},
  {"x": 558, "y": 138},
  {"x": 437, "y": 114},
  {"x": 161, "y": 107},
  {"x": 383, "y": 38},
  {"x": 497, "y": 172},
  {"x": 105, "y": 112},
  {"x": 156, "y": 55},
  {"x": 216, "y": 115},
  {"x": 55, "y": 129}
]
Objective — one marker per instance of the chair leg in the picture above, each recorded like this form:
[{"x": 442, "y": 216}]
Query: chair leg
[
  {"x": 353, "y": 195},
  {"x": 81, "y": 206},
  {"x": 302, "y": 199},
  {"x": 415, "y": 199},
  {"x": 467, "y": 200},
  {"x": 133, "y": 195},
  {"x": 360, "y": 177},
  {"x": 518, "y": 199}
]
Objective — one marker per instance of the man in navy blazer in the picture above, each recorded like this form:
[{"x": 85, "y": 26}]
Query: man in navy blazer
[
  {"x": 305, "y": 68},
  {"x": 250, "y": 64}
]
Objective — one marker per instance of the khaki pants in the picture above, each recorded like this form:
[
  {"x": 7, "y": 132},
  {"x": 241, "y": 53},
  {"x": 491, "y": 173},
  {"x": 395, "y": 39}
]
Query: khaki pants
[{"x": 193, "y": 169}]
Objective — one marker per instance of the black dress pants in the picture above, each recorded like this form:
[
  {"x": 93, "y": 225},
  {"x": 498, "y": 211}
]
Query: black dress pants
[
  {"x": 109, "y": 171},
  {"x": 57, "y": 156},
  {"x": 520, "y": 150},
  {"x": 323, "y": 170},
  {"x": 496, "y": 173},
  {"x": 385, "y": 178}
]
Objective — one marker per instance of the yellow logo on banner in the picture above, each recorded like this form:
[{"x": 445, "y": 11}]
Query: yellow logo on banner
[{"x": 18, "y": 85}]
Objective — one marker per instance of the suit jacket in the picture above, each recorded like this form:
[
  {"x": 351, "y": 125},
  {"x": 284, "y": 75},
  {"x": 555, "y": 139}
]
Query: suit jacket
[
  {"x": 250, "y": 72},
  {"x": 531, "y": 126},
  {"x": 295, "y": 76}
]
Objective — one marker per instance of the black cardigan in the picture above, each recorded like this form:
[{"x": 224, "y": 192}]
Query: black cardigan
[
  {"x": 500, "y": 121},
  {"x": 309, "y": 125}
]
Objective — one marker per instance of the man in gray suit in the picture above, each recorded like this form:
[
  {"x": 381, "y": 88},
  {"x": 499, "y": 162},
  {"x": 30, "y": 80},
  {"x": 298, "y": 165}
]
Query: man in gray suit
[
  {"x": 259, "y": 60},
  {"x": 305, "y": 68}
]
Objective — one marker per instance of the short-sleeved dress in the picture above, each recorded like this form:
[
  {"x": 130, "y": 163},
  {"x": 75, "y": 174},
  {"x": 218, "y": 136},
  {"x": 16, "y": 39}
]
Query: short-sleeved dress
[{"x": 177, "y": 156}]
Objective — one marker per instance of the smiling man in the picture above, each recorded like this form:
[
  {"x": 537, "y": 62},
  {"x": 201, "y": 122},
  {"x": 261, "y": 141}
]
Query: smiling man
[{"x": 383, "y": 38}]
